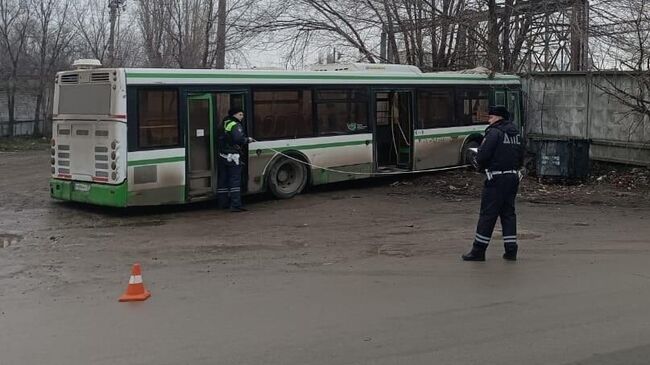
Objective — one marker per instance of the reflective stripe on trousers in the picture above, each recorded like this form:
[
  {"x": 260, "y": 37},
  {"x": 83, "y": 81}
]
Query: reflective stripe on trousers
[
  {"x": 498, "y": 202},
  {"x": 228, "y": 184}
]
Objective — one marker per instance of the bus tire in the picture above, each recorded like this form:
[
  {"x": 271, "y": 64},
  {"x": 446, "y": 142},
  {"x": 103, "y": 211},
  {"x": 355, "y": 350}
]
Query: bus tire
[
  {"x": 466, "y": 156},
  {"x": 287, "y": 178}
]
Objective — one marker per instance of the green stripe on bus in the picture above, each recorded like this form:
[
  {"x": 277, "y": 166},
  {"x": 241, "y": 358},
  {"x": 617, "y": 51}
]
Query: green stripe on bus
[
  {"x": 443, "y": 135},
  {"x": 185, "y": 75},
  {"x": 356, "y": 143},
  {"x": 313, "y": 146},
  {"x": 156, "y": 161}
]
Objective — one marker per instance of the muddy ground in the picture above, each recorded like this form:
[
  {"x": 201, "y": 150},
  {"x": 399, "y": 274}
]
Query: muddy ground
[{"x": 358, "y": 273}]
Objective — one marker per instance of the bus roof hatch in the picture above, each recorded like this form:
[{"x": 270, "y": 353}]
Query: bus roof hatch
[{"x": 86, "y": 64}]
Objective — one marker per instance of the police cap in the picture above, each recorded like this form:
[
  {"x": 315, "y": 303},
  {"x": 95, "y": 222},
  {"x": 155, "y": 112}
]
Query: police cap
[
  {"x": 234, "y": 111},
  {"x": 499, "y": 111}
]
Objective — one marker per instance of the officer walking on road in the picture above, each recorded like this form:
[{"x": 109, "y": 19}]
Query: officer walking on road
[
  {"x": 500, "y": 155},
  {"x": 231, "y": 142}
]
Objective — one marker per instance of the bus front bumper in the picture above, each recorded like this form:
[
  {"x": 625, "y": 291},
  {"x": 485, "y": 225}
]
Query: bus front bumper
[{"x": 91, "y": 193}]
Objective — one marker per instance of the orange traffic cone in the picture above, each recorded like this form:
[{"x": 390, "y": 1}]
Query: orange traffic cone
[{"x": 135, "y": 291}]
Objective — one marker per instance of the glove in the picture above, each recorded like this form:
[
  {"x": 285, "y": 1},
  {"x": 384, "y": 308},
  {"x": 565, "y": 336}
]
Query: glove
[
  {"x": 249, "y": 140},
  {"x": 475, "y": 163}
]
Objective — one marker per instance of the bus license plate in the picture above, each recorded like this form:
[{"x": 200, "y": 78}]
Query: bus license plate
[{"x": 81, "y": 187}]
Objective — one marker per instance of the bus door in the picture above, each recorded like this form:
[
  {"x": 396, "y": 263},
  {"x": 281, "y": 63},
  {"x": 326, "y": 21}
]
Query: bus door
[
  {"x": 514, "y": 106},
  {"x": 224, "y": 102},
  {"x": 393, "y": 138},
  {"x": 200, "y": 146},
  {"x": 205, "y": 112}
]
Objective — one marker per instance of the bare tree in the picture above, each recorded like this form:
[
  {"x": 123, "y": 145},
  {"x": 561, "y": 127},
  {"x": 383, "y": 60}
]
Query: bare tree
[
  {"x": 52, "y": 38},
  {"x": 631, "y": 46},
  {"x": 14, "y": 30},
  {"x": 432, "y": 34},
  {"x": 194, "y": 33},
  {"x": 92, "y": 23},
  {"x": 153, "y": 17}
]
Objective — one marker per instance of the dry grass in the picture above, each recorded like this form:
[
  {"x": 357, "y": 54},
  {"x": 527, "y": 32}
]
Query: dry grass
[{"x": 17, "y": 144}]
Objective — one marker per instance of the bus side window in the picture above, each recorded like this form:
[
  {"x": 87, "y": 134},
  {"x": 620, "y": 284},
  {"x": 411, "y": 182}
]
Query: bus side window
[
  {"x": 158, "y": 124},
  {"x": 473, "y": 106},
  {"x": 435, "y": 108},
  {"x": 282, "y": 114},
  {"x": 340, "y": 112},
  {"x": 500, "y": 98}
]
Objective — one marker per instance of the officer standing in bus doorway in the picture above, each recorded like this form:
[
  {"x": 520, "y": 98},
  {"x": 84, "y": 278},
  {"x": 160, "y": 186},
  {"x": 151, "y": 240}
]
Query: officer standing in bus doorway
[
  {"x": 500, "y": 155},
  {"x": 231, "y": 142}
]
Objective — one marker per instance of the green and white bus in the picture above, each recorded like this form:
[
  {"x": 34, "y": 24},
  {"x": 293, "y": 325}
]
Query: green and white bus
[{"x": 133, "y": 137}]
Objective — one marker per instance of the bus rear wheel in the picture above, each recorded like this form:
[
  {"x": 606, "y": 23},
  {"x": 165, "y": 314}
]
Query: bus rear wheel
[{"x": 287, "y": 178}]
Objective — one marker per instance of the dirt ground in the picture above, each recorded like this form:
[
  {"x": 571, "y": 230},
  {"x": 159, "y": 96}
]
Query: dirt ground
[{"x": 358, "y": 273}]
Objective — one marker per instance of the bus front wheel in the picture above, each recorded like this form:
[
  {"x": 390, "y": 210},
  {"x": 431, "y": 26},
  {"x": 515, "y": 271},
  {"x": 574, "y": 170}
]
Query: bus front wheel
[
  {"x": 287, "y": 178},
  {"x": 467, "y": 155}
]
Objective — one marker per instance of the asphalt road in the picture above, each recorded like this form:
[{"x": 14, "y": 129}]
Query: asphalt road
[{"x": 357, "y": 274}]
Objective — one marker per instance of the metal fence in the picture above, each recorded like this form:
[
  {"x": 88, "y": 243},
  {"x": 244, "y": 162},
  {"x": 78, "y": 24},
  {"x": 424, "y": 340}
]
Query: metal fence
[
  {"x": 25, "y": 128},
  {"x": 586, "y": 105}
]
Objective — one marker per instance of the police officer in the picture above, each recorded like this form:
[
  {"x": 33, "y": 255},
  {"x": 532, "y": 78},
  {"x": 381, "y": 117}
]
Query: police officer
[
  {"x": 231, "y": 142},
  {"x": 501, "y": 156}
]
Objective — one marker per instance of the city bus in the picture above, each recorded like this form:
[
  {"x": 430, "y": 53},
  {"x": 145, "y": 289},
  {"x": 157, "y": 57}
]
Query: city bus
[{"x": 134, "y": 137}]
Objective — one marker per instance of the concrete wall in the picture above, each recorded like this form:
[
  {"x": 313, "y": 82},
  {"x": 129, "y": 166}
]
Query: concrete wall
[{"x": 574, "y": 105}]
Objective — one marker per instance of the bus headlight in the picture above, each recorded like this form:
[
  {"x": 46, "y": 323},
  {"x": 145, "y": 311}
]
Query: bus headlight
[
  {"x": 53, "y": 170},
  {"x": 114, "y": 166},
  {"x": 53, "y": 142},
  {"x": 52, "y": 161},
  {"x": 53, "y": 151},
  {"x": 114, "y": 155},
  {"x": 115, "y": 144},
  {"x": 114, "y": 175}
]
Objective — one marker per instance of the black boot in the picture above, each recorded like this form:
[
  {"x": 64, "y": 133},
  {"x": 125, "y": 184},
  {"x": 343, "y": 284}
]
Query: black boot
[
  {"x": 476, "y": 254},
  {"x": 511, "y": 253}
]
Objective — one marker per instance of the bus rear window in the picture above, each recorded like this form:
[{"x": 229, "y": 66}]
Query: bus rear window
[
  {"x": 85, "y": 99},
  {"x": 158, "y": 118}
]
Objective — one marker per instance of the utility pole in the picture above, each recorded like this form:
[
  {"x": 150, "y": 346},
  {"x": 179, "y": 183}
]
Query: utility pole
[
  {"x": 382, "y": 49},
  {"x": 580, "y": 35},
  {"x": 114, "y": 6},
  {"x": 222, "y": 17}
]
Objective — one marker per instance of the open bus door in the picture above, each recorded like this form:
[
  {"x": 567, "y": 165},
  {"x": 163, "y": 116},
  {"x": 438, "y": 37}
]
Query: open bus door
[
  {"x": 393, "y": 129},
  {"x": 514, "y": 106},
  {"x": 200, "y": 146},
  {"x": 205, "y": 112}
]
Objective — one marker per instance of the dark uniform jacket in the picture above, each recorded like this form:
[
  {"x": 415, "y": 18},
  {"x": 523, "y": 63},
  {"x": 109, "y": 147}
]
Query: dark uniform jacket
[
  {"x": 231, "y": 136},
  {"x": 502, "y": 148}
]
